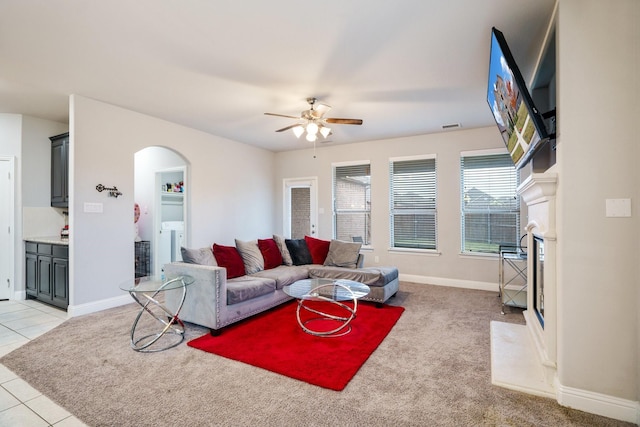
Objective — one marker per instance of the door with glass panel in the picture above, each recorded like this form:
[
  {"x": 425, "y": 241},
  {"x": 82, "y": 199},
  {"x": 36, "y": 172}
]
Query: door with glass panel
[{"x": 300, "y": 207}]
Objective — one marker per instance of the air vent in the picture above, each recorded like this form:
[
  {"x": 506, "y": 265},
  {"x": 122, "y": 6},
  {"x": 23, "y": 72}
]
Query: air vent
[{"x": 451, "y": 126}]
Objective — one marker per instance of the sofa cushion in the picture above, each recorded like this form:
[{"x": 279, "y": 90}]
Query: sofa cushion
[
  {"x": 343, "y": 254},
  {"x": 299, "y": 251},
  {"x": 371, "y": 276},
  {"x": 251, "y": 256},
  {"x": 202, "y": 256},
  {"x": 285, "y": 275},
  {"x": 270, "y": 253},
  {"x": 284, "y": 251},
  {"x": 318, "y": 249},
  {"x": 247, "y": 287},
  {"x": 229, "y": 258}
]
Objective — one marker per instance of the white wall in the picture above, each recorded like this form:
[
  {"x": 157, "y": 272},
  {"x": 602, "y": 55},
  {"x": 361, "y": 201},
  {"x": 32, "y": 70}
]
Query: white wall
[
  {"x": 449, "y": 267},
  {"x": 598, "y": 88},
  {"x": 229, "y": 194}
]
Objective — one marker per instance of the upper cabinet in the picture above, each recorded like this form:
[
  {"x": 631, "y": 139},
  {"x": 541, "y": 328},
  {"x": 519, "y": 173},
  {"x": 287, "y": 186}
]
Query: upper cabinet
[{"x": 60, "y": 170}]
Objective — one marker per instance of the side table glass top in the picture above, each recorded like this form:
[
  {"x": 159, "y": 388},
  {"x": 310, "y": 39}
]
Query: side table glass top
[{"x": 155, "y": 283}]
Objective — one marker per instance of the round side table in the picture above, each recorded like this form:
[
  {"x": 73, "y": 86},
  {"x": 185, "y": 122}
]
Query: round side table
[{"x": 145, "y": 291}]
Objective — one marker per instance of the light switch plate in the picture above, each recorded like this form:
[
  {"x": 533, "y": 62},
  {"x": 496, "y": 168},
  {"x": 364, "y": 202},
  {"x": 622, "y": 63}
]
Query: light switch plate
[
  {"x": 92, "y": 207},
  {"x": 617, "y": 208}
]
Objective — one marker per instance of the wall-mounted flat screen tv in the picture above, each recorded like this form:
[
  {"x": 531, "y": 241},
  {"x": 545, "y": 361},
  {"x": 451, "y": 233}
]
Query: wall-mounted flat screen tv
[{"x": 518, "y": 120}]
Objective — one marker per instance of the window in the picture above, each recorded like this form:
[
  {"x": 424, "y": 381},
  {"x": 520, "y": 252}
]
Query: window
[
  {"x": 490, "y": 207},
  {"x": 352, "y": 202},
  {"x": 413, "y": 203}
]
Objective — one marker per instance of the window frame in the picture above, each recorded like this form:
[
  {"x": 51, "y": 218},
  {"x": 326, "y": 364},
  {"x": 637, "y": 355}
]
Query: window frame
[
  {"x": 366, "y": 236},
  {"x": 433, "y": 210},
  {"x": 464, "y": 249}
]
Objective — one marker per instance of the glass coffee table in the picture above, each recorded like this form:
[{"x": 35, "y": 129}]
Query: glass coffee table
[
  {"x": 145, "y": 291},
  {"x": 333, "y": 292}
]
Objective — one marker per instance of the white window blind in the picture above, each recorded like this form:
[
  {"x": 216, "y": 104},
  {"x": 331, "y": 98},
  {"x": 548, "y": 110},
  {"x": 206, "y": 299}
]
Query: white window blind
[
  {"x": 413, "y": 203},
  {"x": 490, "y": 206},
  {"x": 352, "y": 203}
]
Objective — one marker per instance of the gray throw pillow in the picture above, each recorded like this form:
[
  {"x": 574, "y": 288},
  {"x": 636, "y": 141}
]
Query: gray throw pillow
[
  {"x": 284, "y": 251},
  {"x": 251, "y": 256},
  {"x": 202, "y": 256},
  {"x": 343, "y": 254}
]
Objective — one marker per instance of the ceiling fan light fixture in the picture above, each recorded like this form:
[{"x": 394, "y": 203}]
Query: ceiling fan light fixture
[
  {"x": 312, "y": 121},
  {"x": 325, "y": 131},
  {"x": 298, "y": 131},
  {"x": 312, "y": 129}
]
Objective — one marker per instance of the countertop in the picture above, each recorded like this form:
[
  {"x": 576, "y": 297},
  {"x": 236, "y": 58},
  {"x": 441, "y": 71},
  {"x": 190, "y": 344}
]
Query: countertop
[{"x": 54, "y": 240}]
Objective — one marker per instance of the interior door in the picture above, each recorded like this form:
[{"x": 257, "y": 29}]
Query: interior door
[
  {"x": 6, "y": 227},
  {"x": 300, "y": 207}
]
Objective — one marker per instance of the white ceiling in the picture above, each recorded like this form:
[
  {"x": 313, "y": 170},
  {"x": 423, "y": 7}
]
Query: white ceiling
[{"x": 405, "y": 67}]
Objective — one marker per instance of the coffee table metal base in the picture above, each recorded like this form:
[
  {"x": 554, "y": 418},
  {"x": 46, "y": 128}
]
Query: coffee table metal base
[{"x": 343, "y": 322}]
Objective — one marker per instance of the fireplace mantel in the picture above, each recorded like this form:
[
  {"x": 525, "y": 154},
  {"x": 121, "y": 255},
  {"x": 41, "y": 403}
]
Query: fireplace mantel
[{"x": 538, "y": 188}]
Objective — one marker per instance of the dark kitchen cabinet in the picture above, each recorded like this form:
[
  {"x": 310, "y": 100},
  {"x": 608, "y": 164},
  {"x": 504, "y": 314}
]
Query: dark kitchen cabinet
[
  {"x": 32, "y": 272},
  {"x": 60, "y": 170},
  {"x": 60, "y": 282},
  {"x": 47, "y": 273}
]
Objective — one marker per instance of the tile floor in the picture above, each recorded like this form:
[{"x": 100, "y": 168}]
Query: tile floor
[{"x": 21, "y": 404}]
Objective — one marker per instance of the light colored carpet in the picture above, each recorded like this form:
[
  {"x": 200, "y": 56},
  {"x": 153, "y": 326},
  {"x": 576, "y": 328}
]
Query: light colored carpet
[{"x": 433, "y": 369}]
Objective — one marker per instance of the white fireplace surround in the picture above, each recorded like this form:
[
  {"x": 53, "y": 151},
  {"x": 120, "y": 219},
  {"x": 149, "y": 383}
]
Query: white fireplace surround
[
  {"x": 523, "y": 358},
  {"x": 538, "y": 191}
]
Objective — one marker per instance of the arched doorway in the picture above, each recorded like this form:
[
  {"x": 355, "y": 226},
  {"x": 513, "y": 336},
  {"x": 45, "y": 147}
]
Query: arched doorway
[{"x": 161, "y": 191}]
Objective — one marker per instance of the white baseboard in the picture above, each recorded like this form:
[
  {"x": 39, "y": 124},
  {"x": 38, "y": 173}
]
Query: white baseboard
[
  {"x": 454, "y": 283},
  {"x": 597, "y": 403},
  {"x": 93, "y": 307}
]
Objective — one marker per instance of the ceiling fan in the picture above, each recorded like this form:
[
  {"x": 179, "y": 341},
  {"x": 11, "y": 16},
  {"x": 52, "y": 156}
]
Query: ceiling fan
[{"x": 313, "y": 122}]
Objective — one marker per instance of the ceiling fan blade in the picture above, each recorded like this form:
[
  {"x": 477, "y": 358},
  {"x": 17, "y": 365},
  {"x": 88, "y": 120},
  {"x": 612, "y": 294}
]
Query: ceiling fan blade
[
  {"x": 282, "y": 115},
  {"x": 288, "y": 127},
  {"x": 343, "y": 121},
  {"x": 319, "y": 110}
]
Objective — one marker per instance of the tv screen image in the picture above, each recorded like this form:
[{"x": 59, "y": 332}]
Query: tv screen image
[{"x": 518, "y": 120}]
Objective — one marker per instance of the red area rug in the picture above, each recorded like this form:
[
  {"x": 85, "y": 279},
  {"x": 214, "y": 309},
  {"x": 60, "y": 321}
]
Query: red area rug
[{"x": 273, "y": 340}]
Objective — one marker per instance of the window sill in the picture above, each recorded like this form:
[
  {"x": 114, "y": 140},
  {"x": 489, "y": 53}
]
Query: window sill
[
  {"x": 427, "y": 252},
  {"x": 476, "y": 255}
]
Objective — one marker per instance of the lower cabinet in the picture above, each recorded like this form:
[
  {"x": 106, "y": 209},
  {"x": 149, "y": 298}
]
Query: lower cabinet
[{"x": 47, "y": 273}]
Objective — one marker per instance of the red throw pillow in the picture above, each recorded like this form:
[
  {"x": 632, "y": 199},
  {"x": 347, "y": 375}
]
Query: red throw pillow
[
  {"x": 318, "y": 248},
  {"x": 229, "y": 258},
  {"x": 270, "y": 253}
]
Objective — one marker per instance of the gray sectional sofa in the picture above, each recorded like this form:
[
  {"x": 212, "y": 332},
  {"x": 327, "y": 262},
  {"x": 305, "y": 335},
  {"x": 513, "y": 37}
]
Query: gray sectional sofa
[{"x": 214, "y": 301}]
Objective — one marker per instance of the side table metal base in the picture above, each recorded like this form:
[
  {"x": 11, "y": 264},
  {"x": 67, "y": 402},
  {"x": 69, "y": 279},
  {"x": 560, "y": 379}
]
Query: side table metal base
[{"x": 172, "y": 326}]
